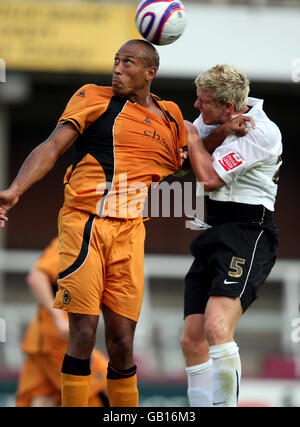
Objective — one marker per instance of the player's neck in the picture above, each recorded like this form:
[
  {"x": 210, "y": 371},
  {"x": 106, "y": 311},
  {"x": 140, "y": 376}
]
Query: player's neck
[
  {"x": 243, "y": 111},
  {"x": 144, "y": 99}
]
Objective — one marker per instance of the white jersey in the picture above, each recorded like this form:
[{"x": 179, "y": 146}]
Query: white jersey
[{"x": 248, "y": 165}]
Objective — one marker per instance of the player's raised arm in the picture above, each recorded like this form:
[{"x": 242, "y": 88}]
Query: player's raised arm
[
  {"x": 201, "y": 160},
  {"x": 236, "y": 126},
  {"x": 39, "y": 162}
]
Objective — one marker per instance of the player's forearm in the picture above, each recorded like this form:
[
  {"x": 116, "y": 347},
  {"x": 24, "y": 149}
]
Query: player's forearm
[
  {"x": 40, "y": 286},
  {"x": 212, "y": 141},
  {"x": 39, "y": 162},
  {"x": 202, "y": 164},
  {"x": 43, "y": 158}
]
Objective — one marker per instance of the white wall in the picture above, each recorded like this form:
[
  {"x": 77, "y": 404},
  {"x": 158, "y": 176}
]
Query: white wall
[{"x": 261, "y": 41}]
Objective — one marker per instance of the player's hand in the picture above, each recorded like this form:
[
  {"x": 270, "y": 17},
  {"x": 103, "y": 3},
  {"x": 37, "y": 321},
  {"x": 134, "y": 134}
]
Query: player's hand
[
  {"x": 183, "y": 154},
  {"x": 61, "y": 323},
  {"x": 237, "y": 126},
  {"x": 192, "y": 132},
  {"x": 190, "y": 128},
  {"x": 8, "y": 199}
]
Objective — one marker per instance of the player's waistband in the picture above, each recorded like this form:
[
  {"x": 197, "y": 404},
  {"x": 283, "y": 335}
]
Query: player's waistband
[{"x": 223, "y": 212}]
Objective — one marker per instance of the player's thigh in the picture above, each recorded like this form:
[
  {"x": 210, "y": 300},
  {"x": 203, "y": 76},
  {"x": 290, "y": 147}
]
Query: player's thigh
[
  {"x": 237, "y": 263},
  {"x": 263, "y": 261},
  {"x": 124, "y": 287},
  {"x": 222, "y": 314},
  {"x": 81, "y": 277},
  {"x": 197, "y": 285}
]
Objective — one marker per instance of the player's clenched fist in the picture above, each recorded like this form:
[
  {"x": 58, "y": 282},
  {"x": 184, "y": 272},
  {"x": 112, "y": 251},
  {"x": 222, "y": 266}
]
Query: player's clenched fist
[
  {"x": 237, "y": 126},
  {"x": 8, "y": 199}
]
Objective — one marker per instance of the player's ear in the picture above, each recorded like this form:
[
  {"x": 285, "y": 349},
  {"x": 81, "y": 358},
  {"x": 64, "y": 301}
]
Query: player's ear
[
  {"x": 151, "y": 73},
  {"x": 229, "y": 107}
]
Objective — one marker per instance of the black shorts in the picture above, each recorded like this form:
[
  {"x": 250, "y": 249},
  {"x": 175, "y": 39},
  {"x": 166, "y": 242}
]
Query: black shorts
[{"x": 232, "y": 260}]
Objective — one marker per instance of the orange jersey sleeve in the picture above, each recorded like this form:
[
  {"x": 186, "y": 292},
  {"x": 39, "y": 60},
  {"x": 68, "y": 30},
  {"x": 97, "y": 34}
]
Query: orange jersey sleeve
[
  {"x": 85, "y": 106},
  {"x": 49, "y": 261}
]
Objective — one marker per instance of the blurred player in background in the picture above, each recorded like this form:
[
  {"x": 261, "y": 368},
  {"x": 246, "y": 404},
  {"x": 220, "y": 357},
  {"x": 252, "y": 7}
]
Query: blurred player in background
[
  {"x": 46, "y": 341},
  {"x": 237, "y": 159},
  {"x": 125, "y": 138}
]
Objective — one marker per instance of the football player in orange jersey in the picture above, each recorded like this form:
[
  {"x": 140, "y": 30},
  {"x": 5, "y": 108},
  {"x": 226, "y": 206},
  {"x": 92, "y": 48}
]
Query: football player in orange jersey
[
  {"x": 46, "y": 341},
  {"x": 119, "y": 132}
]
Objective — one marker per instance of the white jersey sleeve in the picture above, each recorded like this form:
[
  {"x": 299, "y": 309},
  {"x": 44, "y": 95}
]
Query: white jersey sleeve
[
  {"x": 248, "y": 165},
  {"x": 239, "y": 154}
]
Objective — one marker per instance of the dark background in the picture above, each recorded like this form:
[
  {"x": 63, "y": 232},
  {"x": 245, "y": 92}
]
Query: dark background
[{"x": 33, "y": 221}]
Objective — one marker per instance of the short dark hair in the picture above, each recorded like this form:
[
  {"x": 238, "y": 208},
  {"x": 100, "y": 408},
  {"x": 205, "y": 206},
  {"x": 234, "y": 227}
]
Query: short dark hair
[{"x": 151, "y": 56}]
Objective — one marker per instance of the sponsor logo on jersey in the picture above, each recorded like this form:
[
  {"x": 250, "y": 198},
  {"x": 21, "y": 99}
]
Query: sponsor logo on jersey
[
  {"x": 154, "y": 135},
  {"x": 231, "y": 161}
]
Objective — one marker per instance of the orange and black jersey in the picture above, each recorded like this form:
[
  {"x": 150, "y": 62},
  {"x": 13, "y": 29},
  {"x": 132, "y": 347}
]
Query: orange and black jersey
[{"x": 122, "y": 148}]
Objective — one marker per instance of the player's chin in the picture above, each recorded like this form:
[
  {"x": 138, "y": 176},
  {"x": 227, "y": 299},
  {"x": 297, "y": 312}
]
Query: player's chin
[{"x": 118, "y": 90}]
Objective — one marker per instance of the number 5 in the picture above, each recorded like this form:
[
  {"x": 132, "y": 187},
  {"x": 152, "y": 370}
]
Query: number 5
[{"x": 236, "y": 267}]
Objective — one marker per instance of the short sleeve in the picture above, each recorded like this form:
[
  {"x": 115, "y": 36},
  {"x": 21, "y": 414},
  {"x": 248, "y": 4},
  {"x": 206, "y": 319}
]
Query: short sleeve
[
  {"x": 49, "y": 261},
  {"x": 85, "y": 106},
  {"x": 239, "y": 154}
]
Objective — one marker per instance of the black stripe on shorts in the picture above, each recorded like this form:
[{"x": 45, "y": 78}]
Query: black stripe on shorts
[{"x": 83, "y": 251}]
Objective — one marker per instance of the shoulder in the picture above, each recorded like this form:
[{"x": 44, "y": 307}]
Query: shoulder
[
  {"x": 170, "y": 106},
  {"x": 91, "y": 91},
  {"x": 266, "y": 131}
]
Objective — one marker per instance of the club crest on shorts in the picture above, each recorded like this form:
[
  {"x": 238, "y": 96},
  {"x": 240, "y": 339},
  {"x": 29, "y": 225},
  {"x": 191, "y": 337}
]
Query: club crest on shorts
[{"x": 66, "y": 297}]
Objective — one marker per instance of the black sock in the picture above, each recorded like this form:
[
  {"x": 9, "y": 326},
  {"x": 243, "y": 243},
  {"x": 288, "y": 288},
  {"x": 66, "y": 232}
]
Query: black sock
[
  {"x": 115, "y": 374},
  {"x": 72, "y": 365}
]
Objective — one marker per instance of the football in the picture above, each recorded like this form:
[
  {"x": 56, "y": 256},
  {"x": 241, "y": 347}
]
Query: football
[{"x": 161, "y": 22}]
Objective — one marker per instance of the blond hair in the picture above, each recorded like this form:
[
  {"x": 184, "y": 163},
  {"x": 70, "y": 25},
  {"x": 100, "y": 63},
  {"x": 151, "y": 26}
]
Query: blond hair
[{"x": 228, "y": 84}]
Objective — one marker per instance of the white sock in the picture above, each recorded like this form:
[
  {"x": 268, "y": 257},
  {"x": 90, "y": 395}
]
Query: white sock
[
  {"x": 199, "y": 384},
  {"x": 226, "y": 374}
]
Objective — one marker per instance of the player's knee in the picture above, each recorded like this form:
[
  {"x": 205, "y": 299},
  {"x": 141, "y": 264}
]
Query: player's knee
[
  {"x": 82, "y": 341},
  {"x": 217, "y": 330},
  {"x": 187, "y": 343},
  {"x": 192, "y": 345},
  {"x": 120, "y": 346}
]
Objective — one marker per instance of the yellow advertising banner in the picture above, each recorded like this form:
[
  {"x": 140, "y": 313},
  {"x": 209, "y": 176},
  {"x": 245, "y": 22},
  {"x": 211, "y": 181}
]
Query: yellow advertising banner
[{"x": 64, "y": 36}]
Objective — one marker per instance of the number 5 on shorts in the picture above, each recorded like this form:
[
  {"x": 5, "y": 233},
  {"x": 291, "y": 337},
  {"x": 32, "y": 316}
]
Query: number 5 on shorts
[{"x": 235, "y": 267}]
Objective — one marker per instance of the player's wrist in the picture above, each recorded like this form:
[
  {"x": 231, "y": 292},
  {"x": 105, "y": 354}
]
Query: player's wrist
[
  {"x": 226, "y": 129},
  {"x": 15, "y": 191}
]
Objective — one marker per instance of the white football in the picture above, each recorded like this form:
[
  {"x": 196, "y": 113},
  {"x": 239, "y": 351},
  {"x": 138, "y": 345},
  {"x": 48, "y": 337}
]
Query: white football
[{"x": 160, "y": 22}]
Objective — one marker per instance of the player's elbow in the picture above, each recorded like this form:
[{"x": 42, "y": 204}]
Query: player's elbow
[
  {"x": 213, "y": 184},
  {"x": 210, "y": 186},
  {"x": 32, "y": 279}
]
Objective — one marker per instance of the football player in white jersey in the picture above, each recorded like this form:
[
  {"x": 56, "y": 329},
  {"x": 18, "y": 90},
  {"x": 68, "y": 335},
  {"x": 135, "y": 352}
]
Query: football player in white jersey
[{"x": 234, "y": 150}]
